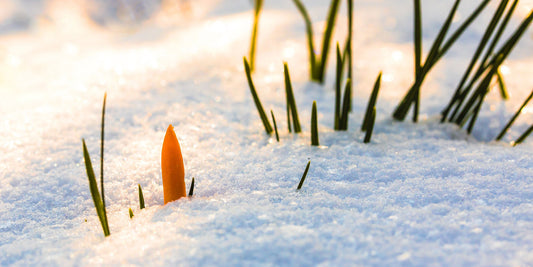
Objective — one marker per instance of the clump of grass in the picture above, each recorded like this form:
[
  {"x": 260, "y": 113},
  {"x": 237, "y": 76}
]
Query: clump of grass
[
  {"x": 512, "y": 120},
  {"x": 471, "y": 108},
  {"x": 523, "y": 136},
  {"x": 98, "y": 198},
  {"x": 191, "y": 188},
  {"x": 437, "y": 51},
  {"x": 371, "y": 104},
  {"x": 141, "y": 197},
  {"x": 487, "y": 44},
  {"x": 131, "y": 213},
  {"x": 314, "y": 126},
  {"x": 275, "y": 126},
  {"x": 303, "y": 176},
  {"x": 259, "y": 106},
  {"x": 370, "y": 127},
  {"x": 291, "y": 102},
  {"x": 317, "y": 66},
  {"x": 258, "y": 4}
]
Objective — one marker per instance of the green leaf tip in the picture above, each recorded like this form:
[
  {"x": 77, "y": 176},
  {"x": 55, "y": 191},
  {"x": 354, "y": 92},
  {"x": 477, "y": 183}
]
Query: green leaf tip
[
  {"x": 371, "y": 103},
  {"x": 303, "y": 176},
  {"x": 191, "y": 188},
  {"x": 314, "y": 126},
  {"x": 141, "y": 196},
  {"x": 257, "y": 101},
  {"x": 131, "y": 213}
]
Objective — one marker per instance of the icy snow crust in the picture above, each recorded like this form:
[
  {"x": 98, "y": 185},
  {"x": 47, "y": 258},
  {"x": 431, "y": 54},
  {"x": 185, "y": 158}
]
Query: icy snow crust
[{"x": 420, "y": 194}]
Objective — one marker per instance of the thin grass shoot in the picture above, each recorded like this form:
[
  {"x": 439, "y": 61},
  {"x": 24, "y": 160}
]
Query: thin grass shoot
[{"x": 303, "y": 176}]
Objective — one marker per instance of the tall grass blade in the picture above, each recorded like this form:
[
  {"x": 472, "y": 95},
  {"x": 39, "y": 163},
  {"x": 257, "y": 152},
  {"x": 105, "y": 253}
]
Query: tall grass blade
[
  {"x": 338, "y": 79},
  {"x": 502, "y": 86},
  {"x": 310, "y": 43},
  {"x": 291, "y": 100},
  {"x": 275, "y": 126},
  {"x": 303, "y": 176},
  {"x": 259, "y": 106},
  {"x": 511, "y": 121},
  {"x": 418, "y": 38},
  {"x": 346, "y": 106},
  {"x": 97, "y": 200},
  {"x": 371, "y": 104},
  {"x": 314, "y": 126},
  {"x": 348, "y": 48},
  {"x": 523, "y": 136},
  {"x": 370, "y": 127},
  {"x": 418, "y": 50},
  {"x": 258, "y": 4},
  {"x": 131, "y": 213},
  {"x": 141, "y": 196},
  {"x": 191, "y": 188},
  {"x": 102, "y": 136},
  {"x": 328, "y": 32}
]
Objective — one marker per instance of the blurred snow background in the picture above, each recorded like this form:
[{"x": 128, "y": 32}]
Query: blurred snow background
[{"x": 420, "y": 194}]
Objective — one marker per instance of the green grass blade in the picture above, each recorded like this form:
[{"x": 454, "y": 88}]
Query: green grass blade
[
  {"x": 370, "y": 127},
  {"x": 371, "y": 103},
  {"x": 303, "y": 176},
  {"x": 418, "y": 38},
  {"x": 292, "y": 102},
  {"x": 191, "y": 188},
  {"x": 102, "y": 135},
  {"x": 258, "y": 4},
  {"x": 328, "y": 32},
  {"x": 310, "y": 42},
  {"x": 314, "y": 126},
  {"x": 131, "y": 213},
  {"x": 523, "y": 136},
  {"x": 259, "y": 106},
  {"x": 97, "y": 200},
  {"x": 418, "y": 52},
  {"x": 348, "y": 48},
  {"x": 511, "y": 121},
  {"x": 338, "y": 80},
  {"x": 275, "y": 126},
  {"x": 346, "y": 106},
  {"x": 502, "y": 86},
  {"x": 141, "y": 196}
]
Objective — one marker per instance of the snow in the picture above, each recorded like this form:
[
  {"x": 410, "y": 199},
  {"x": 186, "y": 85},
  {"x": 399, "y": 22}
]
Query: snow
[{"x": 419, "y": 194}]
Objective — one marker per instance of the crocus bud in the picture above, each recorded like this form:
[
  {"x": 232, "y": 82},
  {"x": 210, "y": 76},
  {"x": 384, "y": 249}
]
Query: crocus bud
[{"x": 172, "y": 167}]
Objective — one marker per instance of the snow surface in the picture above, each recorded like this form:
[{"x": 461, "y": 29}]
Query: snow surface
[{"x": 420, "y": 194}]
